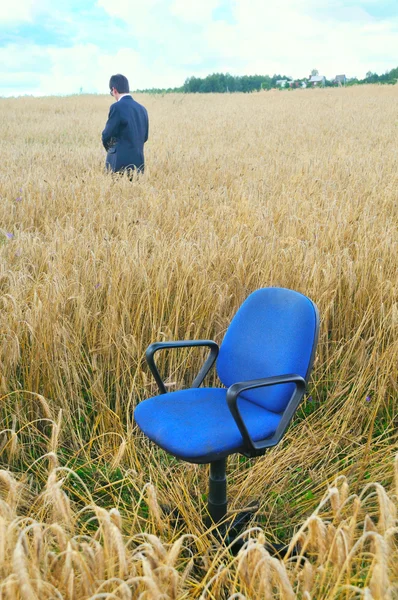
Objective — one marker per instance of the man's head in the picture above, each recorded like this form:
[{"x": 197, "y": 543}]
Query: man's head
[{"x": 118, "y": 84}]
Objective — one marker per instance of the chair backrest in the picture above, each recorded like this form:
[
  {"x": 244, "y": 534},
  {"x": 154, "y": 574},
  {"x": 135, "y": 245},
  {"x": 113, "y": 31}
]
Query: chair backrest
[{"x": 274, "y": 332}]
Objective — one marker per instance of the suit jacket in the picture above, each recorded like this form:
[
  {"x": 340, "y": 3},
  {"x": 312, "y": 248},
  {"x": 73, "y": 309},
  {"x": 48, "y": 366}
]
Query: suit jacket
[{"x": 125, "y": 134}]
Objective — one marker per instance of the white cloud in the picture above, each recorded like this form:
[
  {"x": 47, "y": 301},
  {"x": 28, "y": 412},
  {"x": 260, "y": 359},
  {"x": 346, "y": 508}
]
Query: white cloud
[
  {"x": 127, "y": 9},
  {"x": 171, "y": 45},
  {"x": 15, "y": 57},
  {"x": 87, "y": 66},
  {"x": 66, "y": 70},
  {"x": 288, "y": 37},
  {"x": 19, "y": 11},
  {"x": 194, "y": 11},
  {"x": 142, "y": 18}
]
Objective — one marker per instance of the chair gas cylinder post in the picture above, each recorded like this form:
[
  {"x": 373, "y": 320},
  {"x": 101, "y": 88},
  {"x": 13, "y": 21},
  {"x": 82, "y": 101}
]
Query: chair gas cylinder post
[{"x": 217, "y": 499}]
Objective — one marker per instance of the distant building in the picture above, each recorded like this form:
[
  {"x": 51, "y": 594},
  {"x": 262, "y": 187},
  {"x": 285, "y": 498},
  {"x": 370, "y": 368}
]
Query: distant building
[
  {"x": 297, "y": 84},
  {"x": 282, "y": 82},
  {"x": 341, "y": 80},
  {"x": 317, "y": 80}
]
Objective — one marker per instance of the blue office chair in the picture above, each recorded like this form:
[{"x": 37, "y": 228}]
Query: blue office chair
[{"x": 264, "y": 362}]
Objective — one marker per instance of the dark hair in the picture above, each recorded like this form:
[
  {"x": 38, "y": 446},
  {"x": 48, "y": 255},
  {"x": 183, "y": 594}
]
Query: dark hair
[{"x": 120, "y": 82}]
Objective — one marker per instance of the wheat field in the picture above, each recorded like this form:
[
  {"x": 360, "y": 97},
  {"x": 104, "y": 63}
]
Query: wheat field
[{"x": 293, "y": 189}]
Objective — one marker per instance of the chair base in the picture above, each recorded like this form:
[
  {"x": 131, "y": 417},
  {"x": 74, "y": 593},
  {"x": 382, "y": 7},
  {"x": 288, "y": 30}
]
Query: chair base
[
  {"x": 230, "y": 534},
  {"x": 228, "y": 531}
]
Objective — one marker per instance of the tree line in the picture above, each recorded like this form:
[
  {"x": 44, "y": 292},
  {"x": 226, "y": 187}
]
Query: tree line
[{"x": 224, "y": 83}]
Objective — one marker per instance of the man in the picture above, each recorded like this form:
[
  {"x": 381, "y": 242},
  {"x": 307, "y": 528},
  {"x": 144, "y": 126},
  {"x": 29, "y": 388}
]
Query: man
[{"x": 126, "y": 130}]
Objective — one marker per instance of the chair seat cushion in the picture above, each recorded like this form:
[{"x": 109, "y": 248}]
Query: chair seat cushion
[{"x": 197, "y": 426}]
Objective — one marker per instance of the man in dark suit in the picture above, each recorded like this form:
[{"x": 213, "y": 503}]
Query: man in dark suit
[{"x": 126, "y": 130}]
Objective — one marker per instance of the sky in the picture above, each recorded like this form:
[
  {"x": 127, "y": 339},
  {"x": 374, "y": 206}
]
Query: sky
[{"x": 50, "y": 48}]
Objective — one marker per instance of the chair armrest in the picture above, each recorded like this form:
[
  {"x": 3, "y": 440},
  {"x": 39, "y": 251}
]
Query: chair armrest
[
  {"x": 153, "y": 348},
  {"x": 257, "y": 448}
]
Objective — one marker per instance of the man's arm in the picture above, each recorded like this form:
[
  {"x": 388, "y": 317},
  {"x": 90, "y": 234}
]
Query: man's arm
[
  {"x": 112, "y": 127},
  {"x": 147, "y": 128}
]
